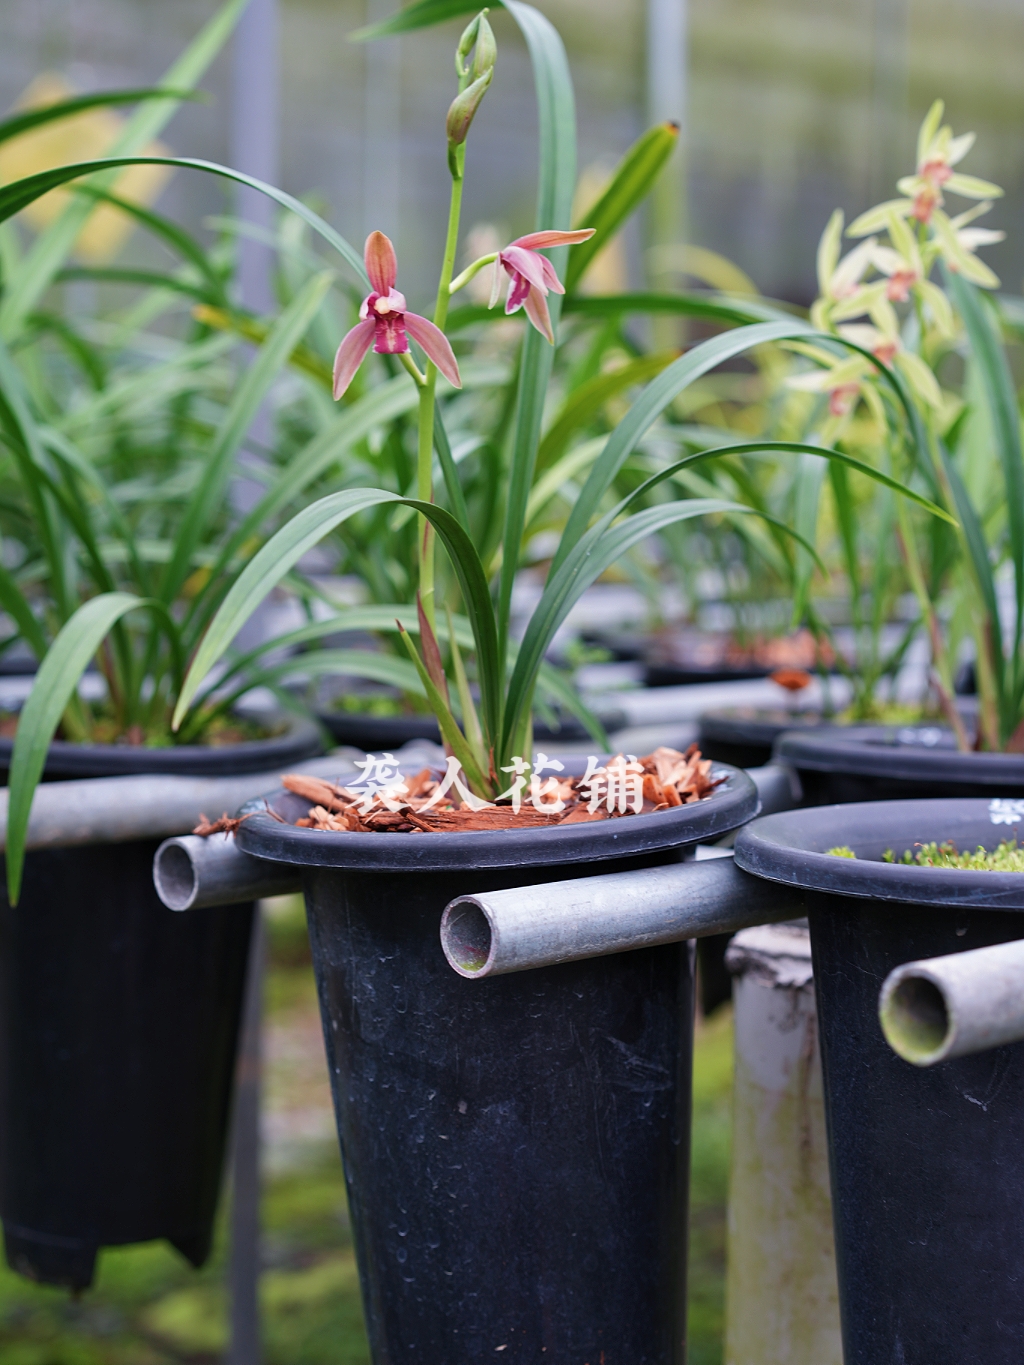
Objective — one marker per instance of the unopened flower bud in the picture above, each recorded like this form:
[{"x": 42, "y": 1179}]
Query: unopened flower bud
[
  {"x": 463, "y": 108},
  {"x": 475, "y": 33},
  {"x": 486, "y": 53}
]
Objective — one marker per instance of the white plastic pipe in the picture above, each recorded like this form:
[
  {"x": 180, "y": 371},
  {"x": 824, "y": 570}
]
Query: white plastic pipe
[
  {"x": 782, "y": 1297},
  {"x": 536, "y": 926},
  {"x": 953, "y": 1006}
]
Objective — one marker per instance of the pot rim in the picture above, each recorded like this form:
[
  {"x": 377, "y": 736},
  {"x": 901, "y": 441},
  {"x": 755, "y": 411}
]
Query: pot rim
[
  {"x": 301, "y": 739},
  {"x": 729, "y": 806},
  {"x": 790, "y": 848},
  {"x": 877, "y": 751}
]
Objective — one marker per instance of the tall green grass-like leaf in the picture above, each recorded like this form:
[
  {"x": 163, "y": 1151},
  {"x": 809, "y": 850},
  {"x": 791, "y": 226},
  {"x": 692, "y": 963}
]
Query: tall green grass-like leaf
[
  {"x": 631, "y": 182},
  {"x": 52, "y": 246},
  {"x": 55, "y": 685},
  {"x": 652, "y": 403},
  {"x": 53, "y": 113},
  {"x": 20, "y": 193},
  {"x": 1004, "y": 413},
  {"x": 556, "y": 114},
  {"x": 273, "y": 354}
]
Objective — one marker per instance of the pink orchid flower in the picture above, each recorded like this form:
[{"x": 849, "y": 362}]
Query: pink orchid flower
[
  {"x": 385, "y": 323},
  {"x": 532, "y": 275}
]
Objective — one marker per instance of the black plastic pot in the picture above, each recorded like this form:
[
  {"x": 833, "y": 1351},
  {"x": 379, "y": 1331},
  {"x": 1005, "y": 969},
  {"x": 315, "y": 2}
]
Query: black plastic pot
[
  {"x": 876, "y": 763},
  {"x": 684, "y": 675},
  {"x": 927, "y": 1165},
  {"x": 388, "y": 733},
  {"x": 118, "y": 1028},
  {"x": 745, "y": 735},
  {"x": 516, "y": 1149}
]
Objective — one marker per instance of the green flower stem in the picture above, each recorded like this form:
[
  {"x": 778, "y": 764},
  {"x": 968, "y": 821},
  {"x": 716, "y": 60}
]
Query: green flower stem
[
  {"x": 425, "y": 455},
  {"x": 462, "y": 280}
]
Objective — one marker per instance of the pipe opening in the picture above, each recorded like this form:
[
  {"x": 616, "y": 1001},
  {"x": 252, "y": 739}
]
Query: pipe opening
[
  {"x": 916, "y": 1021},
  {"x": 466, "y": 937},
  {"x": 175, "y": 876}
]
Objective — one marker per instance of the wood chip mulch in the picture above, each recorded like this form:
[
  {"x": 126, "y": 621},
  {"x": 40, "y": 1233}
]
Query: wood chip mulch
[{"x": 669, "y": 778}]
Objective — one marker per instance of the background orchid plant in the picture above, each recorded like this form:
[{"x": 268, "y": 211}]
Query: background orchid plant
[
  {"x": 911, "y": 296},
  {"x": 485, "y": 714}
]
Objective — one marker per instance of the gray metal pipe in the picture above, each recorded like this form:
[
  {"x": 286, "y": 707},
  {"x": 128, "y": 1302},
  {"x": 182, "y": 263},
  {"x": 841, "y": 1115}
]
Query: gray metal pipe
[
  {"x": 115, "y": 810},
  {"x": 192, "y": 873},
  {"x": 778, "y": 786},
  {"x": 953, "y": 1006},
  {"x": 536, "y": 926}
]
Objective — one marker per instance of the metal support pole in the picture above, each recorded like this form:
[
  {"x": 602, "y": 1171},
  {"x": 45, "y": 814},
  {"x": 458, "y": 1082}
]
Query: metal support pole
[
  {"x": 244, "y": 1254},
  {"x": 666, "y": 68},
  {"x": 254, "y": 142},
  {"x": 782, "y": 1299},
  {"x": 889, "y": 98},
  {"x": 382, "y": 127},
  {"x": 254, "y": 139}
]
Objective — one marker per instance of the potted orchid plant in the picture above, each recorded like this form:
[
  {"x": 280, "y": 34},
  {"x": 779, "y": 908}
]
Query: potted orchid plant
[
  {"x": 469, "y": 1122},
  {"x": 119, "y": 1021},
  {"x": 915, "y": 294}
]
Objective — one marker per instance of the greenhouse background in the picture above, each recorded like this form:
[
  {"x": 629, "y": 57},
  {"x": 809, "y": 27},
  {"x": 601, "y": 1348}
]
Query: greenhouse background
[
  {"x": 790, "y": 109},
  {"x": 786, "y": 110}
]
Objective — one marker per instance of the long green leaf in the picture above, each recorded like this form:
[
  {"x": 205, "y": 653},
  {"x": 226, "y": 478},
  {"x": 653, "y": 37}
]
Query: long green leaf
[
  {"x": 449, "y": 471},
  {"x": 20, "y": 193},
  {"x": 54, "y": 686},
  {"x": 424, "y": 14},
  {"x": 381, "y": 405},
  {"x": 556, "y": 114},
  {"x": 632, "y": 181},
  {"x": 50, "y": 113},
  {"x": 27, "y": 448},
  {"x": 810, "y": 475},
  {"x": 977, "y": 551},
  {"x": 270, "y": 564},
  {"x": 649, "y": 406},
  {"x": 450, "y": 732},
  {"x": 601, "y": 547},
  {"x": 1004, "y": 413},
  {"x": 14, "y": 603},
  {"x": 785, "y": 447},
  {"x": 710, "y": 307},
  {"x": 586, "y": 401},
  {"x": 285, "y": 335},
  {"x": 264, "y": 571},
  {"x": 169, "y": 232},
  {"x": 52, "y": 246}
]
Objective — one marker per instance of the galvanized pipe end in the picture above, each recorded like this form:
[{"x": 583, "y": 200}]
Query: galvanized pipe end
[
  {"x": 192, "y": 873},
  {"x": 468, "y": 937},
  {"x": 916, "y": 1017},
  {"x": 174, "y": 875}
]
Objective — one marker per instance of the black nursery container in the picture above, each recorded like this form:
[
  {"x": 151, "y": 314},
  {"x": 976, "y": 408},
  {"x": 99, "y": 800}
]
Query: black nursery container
[
  {"x": 387, "y": 734},
  {"x": 745, "y": 735},
  {"x": 118, "y": 1029},
  {"x": 517, "y": 1149},
  {"x": 885, "y": 763},
  {"x": 927, "y": 1165}
]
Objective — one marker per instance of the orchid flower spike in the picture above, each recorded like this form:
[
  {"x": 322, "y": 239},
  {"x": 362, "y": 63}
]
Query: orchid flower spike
[
  {"x": 532, "y": 275},
  {"x": 386, "y": 325}
]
